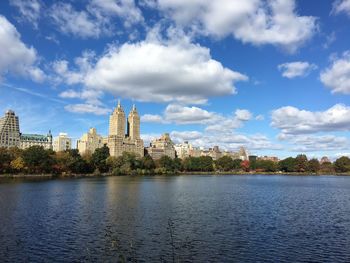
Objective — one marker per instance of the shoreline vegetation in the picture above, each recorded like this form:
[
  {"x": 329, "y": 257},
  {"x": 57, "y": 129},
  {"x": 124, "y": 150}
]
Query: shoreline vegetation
[{"x": 36, "y": 162}]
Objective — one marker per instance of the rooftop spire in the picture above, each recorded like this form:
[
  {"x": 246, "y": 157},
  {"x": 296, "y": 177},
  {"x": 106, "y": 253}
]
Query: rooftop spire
[{"x": 119, "y": 103}]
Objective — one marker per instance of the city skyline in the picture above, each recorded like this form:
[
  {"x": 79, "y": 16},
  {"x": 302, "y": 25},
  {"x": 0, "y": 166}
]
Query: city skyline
[{"x": 210, "y": 76}]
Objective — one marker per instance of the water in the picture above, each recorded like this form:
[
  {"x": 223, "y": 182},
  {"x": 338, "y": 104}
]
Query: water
[{"x": 181, "y": 218}]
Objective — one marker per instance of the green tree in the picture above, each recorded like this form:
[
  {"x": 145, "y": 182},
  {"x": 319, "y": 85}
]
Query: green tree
[
  {"x": 99, "y": 157},
  {"x": 147, "y": 162},
  {"x": 167, "y": 163},
  {"x": 37, "y": 159},
  {"x": 287, "y": 165},
  {"x": 5, "y": 160},
  {"x": 237, "y": 164},
  {"x": 313, "y": 166},
  {"x": 342, "y": 164},
  {"x": 224, "y": 163},
  {"x": 206, "y": 164},
  {"x": 266, "y": 165}
]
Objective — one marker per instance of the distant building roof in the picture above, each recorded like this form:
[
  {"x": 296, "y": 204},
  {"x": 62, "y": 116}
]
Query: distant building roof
[{"x": 34, "y": 137}]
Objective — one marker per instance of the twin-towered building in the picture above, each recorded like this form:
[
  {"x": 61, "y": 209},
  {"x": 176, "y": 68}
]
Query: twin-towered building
[{"x": 118, "y": 141}]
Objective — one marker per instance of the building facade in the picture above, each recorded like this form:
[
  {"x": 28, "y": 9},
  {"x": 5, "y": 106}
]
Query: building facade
[
  {"x": 185, "y": 149},
  {"x": 62, "y": 142},
  {"x": 28, "y": 140},
  {"x": 9, "y": 130},
  {"x": 89, "y": 142},
  {"x": 162, "y": 146},
  {"x": 119, "y": 142}
]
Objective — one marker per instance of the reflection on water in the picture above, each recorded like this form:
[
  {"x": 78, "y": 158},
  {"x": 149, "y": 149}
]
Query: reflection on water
[{"x": 184, "y": 218}]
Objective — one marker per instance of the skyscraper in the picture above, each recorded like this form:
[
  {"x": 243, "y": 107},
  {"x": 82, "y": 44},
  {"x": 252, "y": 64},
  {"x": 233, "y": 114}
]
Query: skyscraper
[
  {"x": 118, "y": 141},
  {"x": 9, "y": 130}
]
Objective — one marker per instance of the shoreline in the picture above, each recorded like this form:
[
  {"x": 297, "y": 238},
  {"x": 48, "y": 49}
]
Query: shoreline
[{"x": 77, "y": 176}]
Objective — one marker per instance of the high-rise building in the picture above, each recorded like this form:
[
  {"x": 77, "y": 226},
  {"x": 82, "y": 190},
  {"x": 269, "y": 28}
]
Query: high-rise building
[
  {"x": 185, "y": 149},
  {"x": 62, "y": 142},
  {"x": 118, "y": 141},
  {"x": 89, "y": 142},
  {"x": 9, "y": 130},
  {"x": 162, "y": 146}
]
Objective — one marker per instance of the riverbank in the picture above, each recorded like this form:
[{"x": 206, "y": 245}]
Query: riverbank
[{"x": 218, "y": 173}]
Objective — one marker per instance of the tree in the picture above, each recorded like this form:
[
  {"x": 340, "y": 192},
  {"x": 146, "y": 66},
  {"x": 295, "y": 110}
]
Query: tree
[
  {"x": 167, "y": 163},
  {"x": 5, "y": 160},
  {"x": 313, "y": 166},
  {"x": 301, "y": 163},
  {"x": 342, "y": 164},
  {"x": 37, "y": 159},
  {"x": 147, "y": 162},
  {"x": 206, "y": 164},
  {"x": 17, "y": 164},
  {"x": 237, "y": 164},
  {"x": 287, "y": 165},
  {"x": 224, "y": 163},
  {"x": 266, "y": 165},
  {"x": 245, "y": 165},
  {"x": 99, "y": 157}
]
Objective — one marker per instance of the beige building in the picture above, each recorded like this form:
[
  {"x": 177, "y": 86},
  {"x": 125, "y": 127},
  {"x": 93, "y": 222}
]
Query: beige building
[
  {"x": 62, "y": 142},
  {"x": 118, "y": 141},
  {"x": 241, "y": 154},
  {"x": 89, "y": 142},
  {"x": 185, "y": 149},
  {"x": 214, "y": 153},
  {"x": 28, "y": 140},
  {"x": 162, "y": 146},
  {"x": 9, "y": 130}
]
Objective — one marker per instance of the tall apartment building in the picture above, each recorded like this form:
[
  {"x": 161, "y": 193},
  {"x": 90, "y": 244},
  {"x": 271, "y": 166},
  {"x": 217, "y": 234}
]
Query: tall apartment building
[
  {"x": 184, "y": 150},
  {"x": 89, "y": 142},
  {"x": 162, "y": 146},
  {"x": 62, "y": 142},
  {"x": 118, "y": 141},
  {"x": 9, "y": 130}
]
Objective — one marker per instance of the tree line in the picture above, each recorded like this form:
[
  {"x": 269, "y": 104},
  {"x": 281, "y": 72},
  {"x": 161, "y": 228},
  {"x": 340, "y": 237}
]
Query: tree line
[{"x": 37, "y": 160}]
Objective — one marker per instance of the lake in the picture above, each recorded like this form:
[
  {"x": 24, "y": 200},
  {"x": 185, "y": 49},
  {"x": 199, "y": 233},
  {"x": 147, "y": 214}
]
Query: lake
[{"x": 176, "y": 219}]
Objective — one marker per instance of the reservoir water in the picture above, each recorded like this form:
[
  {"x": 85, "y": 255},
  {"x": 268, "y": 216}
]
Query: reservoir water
[{"x": 176, "y": 219}]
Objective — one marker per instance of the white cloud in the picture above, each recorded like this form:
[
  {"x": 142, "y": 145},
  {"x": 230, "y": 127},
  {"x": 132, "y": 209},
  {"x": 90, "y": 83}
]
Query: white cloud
[
  {"x": 87, "y": 108},
  {"x": 341, "y": 6},
  {"x": 243, "y": 115},
  {"x": 337, "y": 76},
  {"x": 30, "y": 10},
  {"x": 296, "y": 69},
  {"x": 312, "y": 143},
  {"x": 16, "y": 57},
  {"x": 258, "y": 22},
  {"x": 152, "y": 118},
  {"x": 291, "y": 120},
  {"x": 125, "y": 9},
  {"x": 78, "y": 23},
  {"x": 162, "y": 72}
]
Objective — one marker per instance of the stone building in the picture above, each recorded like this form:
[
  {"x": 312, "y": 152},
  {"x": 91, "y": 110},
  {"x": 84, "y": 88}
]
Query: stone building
[
  {"x": 28, "y": 140},
  {"x": 162, "y": 146},
  {"x": 185, "y": 149},
  {"x": 118, "y": 141},
  {"x": 214, "y": 153},
  {"x": 89, "y": 142},
  {"x": 62, "y": 142},
  {"x": 9, "y": 130},
  {"x": 241, "y": 154}
]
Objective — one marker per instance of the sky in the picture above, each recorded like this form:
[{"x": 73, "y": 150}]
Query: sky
[{"x": 270, "y": 75}]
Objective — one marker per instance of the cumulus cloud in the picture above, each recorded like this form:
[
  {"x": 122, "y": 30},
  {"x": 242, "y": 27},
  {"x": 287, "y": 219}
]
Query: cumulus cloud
[
  {"x": 341, "y": 6},
  {"x": 296, "y": 69},
  {"x": 337, "y": 76},
  {"x": 180, "y": 114},
  {"x": 291, "y": 120},
  {"x": 258, "y": 22},
  {"x": 30, "y": 10},
  {"x": 16, "y": 57},
  {"x": 162, "y": 72}
]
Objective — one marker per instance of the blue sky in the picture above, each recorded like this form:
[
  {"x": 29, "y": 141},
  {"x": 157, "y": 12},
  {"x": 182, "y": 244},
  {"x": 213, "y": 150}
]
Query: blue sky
[{"x": 270, "y": 75}]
